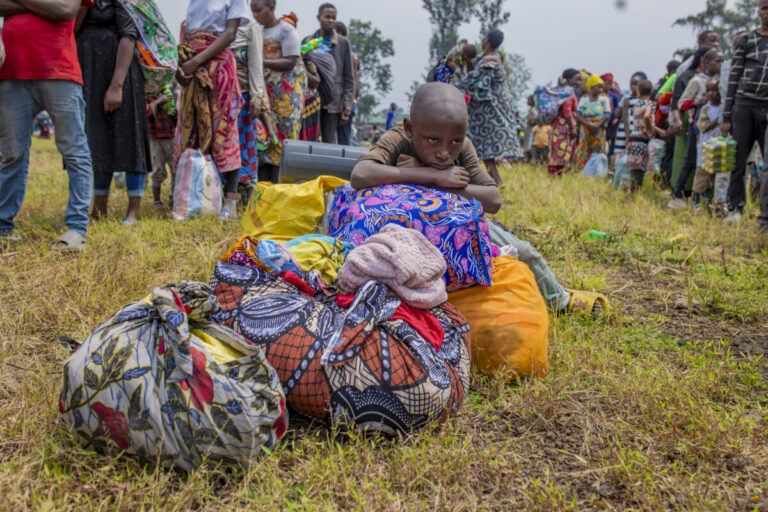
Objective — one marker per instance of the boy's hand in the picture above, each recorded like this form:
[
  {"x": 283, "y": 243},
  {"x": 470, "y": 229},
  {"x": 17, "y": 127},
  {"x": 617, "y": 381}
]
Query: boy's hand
[
  {"x": 453, "y": 178},
  {"x": 725, "y": 129},
  {"x": 113, "y": 99},
  {"x": 408, "y": 162}
]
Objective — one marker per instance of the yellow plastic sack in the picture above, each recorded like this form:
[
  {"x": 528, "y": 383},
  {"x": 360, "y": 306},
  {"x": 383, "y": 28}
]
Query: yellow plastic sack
[
  {"x": 283, "y": 212},
  {"x": 509, "y": 322}
]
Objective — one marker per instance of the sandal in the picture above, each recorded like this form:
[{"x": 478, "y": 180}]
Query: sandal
[
  {"x": 591, "y": 303},
  {"x": 71, "y": 241}
]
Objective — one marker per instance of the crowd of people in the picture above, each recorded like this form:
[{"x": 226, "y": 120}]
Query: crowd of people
[
  {"x": 246, "y": 82},
  {"x": 664, "y": 128}
]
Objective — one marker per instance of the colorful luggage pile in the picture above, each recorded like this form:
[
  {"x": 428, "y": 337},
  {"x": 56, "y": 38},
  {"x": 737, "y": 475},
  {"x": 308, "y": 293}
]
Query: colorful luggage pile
[{"x": 333, "y": 305}]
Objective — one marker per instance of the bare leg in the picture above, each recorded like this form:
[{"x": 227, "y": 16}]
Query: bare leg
[
  {"x": 494, "y": 172},
  {"x": 134, "y": 208},
  {"x": 99, "y": 209}
]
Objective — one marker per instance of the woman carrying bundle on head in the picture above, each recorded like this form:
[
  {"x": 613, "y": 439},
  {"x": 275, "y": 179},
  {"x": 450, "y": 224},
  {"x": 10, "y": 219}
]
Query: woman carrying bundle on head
[{"x": 563, "y": 144}]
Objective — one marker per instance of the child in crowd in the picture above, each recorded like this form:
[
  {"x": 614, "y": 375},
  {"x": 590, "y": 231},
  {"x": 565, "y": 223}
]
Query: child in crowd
[
  {"x": 642, "y": 113},
  {"x": 210, "y": 98},
  {"x": 623, "y": 119},
  {"x": 542, "y": 135},
  {"x": 431, "y": 149},
  {"x": 161, "y": 113},
  {"x": 710, "y": 117}
]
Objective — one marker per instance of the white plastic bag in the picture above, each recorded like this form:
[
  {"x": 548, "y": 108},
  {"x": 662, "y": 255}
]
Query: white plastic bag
[
  {"x": 596, "y": 166},
  {"x": 198, "y": 186}
]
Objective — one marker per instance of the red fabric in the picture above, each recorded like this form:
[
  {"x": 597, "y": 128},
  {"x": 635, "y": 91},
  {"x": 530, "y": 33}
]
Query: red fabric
[
  {"x": 421, "y": 320},
  {"x": 608, "y": 77},
  {"x": 38, "y": 49},
  {"x": 687, "y": 105},
  {"x": 293, "y": 278},
  {"x": 569, "y": 107}
]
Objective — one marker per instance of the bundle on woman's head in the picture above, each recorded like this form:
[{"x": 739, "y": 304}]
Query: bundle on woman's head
[
  {"x": 495, "y": 38},
  {"x": 291, "y": 19}
]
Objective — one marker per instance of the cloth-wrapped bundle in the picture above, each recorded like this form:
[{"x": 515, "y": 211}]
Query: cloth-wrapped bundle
[
  {"x": 453, "y": 224},
  {"x": 361, "y": 365},
  {"x": 162, "y": 382}
]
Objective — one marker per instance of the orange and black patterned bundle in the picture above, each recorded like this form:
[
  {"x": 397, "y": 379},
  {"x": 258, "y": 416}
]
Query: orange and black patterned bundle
[{"x": 348, "y": 366}]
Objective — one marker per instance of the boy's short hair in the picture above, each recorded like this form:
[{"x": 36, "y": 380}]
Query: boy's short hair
[
  {"x": 703, "y": 36},
  {"x": 341, "y": 28},
  {"x": 469, "y": 50},
  {"x": 672, "y": 66},
  {"x": 645, "y": 87},
  {"x": 324, "y": 7}
]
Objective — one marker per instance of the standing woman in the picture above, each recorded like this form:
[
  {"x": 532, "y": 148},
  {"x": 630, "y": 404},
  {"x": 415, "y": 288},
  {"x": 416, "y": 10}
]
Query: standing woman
[
  {"x": 285, "y": 79},
  {"x": 493, "y": 127},
  {"x": 210, "y": 98},
  {"x": 248, "y": 47},
  {"x": 593, "y": 113},
  {"x": 562, "y": 146},
  {"x": 115, "y": 112}
]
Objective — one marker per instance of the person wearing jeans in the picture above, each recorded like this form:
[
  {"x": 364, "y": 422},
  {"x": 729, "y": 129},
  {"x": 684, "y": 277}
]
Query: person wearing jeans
[
  {"x": 41, "y": 72},
  {"x": 746, "y": 107}
]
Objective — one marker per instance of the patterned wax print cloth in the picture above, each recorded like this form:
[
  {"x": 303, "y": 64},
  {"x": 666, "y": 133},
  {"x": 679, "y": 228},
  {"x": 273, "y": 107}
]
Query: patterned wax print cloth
[
  {"x": 455, "y": 225},
  {"x": 286, "y": 91},
  {"x": 493, "y": 126},
  {"x": 355, "y": 367},
  {"x": 315, "y": 259},
  {"x": 156, "y": 49},
  {"x": 253, "y": 137},
  {"x": 160, "y": 381},
  {"x": 210, "y": 105},
  {"x": 562, "y": 147}
]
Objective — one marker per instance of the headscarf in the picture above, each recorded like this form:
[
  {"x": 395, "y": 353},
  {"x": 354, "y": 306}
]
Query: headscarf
[
  {"x": 593, "y": 81},
  {"x": 495, "y": 38},
  {"x": 640, "y": 74},
  {"x": 608, "y": 77}
]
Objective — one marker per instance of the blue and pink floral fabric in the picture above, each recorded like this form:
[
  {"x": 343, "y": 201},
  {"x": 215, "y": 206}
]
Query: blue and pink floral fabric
[{"x": 455, "y": 225}]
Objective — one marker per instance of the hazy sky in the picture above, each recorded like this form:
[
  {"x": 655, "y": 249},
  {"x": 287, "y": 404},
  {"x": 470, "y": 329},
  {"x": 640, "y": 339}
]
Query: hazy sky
[{"x": 551, "y": 34}]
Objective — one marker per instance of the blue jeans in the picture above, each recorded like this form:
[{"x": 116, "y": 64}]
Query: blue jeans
[
  {"x": 134, "y": 182},
  {"x": 20, "y": 102},
  {"x": 550, "y": 289}
]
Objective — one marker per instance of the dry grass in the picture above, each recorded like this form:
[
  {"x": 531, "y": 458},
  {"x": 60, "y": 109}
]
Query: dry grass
[{"x": 651, "y": 408}]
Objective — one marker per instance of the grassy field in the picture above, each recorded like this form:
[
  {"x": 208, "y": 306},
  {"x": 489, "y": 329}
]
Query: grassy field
[{"x": 662, "y": 404}]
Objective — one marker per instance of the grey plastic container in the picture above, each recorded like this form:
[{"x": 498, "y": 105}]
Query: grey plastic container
[{"x": 305, "y": 161}]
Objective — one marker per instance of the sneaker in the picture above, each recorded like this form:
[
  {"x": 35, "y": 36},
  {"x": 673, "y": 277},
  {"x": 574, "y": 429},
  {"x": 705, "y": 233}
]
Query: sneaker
[
  {"x": 734, "y": 217},
  {"x": 157, "y": 205},
  {"x": 676, "y": 203}
]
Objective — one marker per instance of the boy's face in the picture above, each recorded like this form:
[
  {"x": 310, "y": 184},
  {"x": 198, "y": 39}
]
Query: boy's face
[
  {"x": 633, "y": 84},
  {"x": 713, "y": 94},
  {"x": 437, "y": 144},
  {"x": 714, "y": 65}
]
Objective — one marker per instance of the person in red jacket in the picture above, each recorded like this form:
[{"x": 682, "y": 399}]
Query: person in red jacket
[{"x": 42, "y": 72}]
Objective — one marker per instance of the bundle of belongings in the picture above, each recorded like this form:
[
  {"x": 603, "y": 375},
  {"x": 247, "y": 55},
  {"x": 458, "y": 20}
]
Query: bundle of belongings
[
  {"x": 367, "y": 306},
  {"x": 162, "y": 381}
]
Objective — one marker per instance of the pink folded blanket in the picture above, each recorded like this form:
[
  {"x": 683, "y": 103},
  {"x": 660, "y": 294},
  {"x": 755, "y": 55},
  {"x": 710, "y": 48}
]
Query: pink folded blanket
[{"x": 404, "y": 260}]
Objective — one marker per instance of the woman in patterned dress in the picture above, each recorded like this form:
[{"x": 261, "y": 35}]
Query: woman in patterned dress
[
  {"x": 493, "y": 126},
  {"x": 285, "y": 78},
  {"x": 564, "y": 135}
]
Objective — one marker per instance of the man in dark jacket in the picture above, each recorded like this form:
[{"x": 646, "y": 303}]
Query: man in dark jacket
[{"x": 337, "y": 112}]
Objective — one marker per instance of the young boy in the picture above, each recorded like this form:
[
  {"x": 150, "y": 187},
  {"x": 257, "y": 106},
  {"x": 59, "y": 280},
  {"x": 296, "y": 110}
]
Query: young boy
[
  {"x": 162, "y": 128},
  {"x": 431, "y": 149},
  {"x": 542, "y": 135},
  {"x": 642, "y": 113},
  {"x": 708, "y": 124}
]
